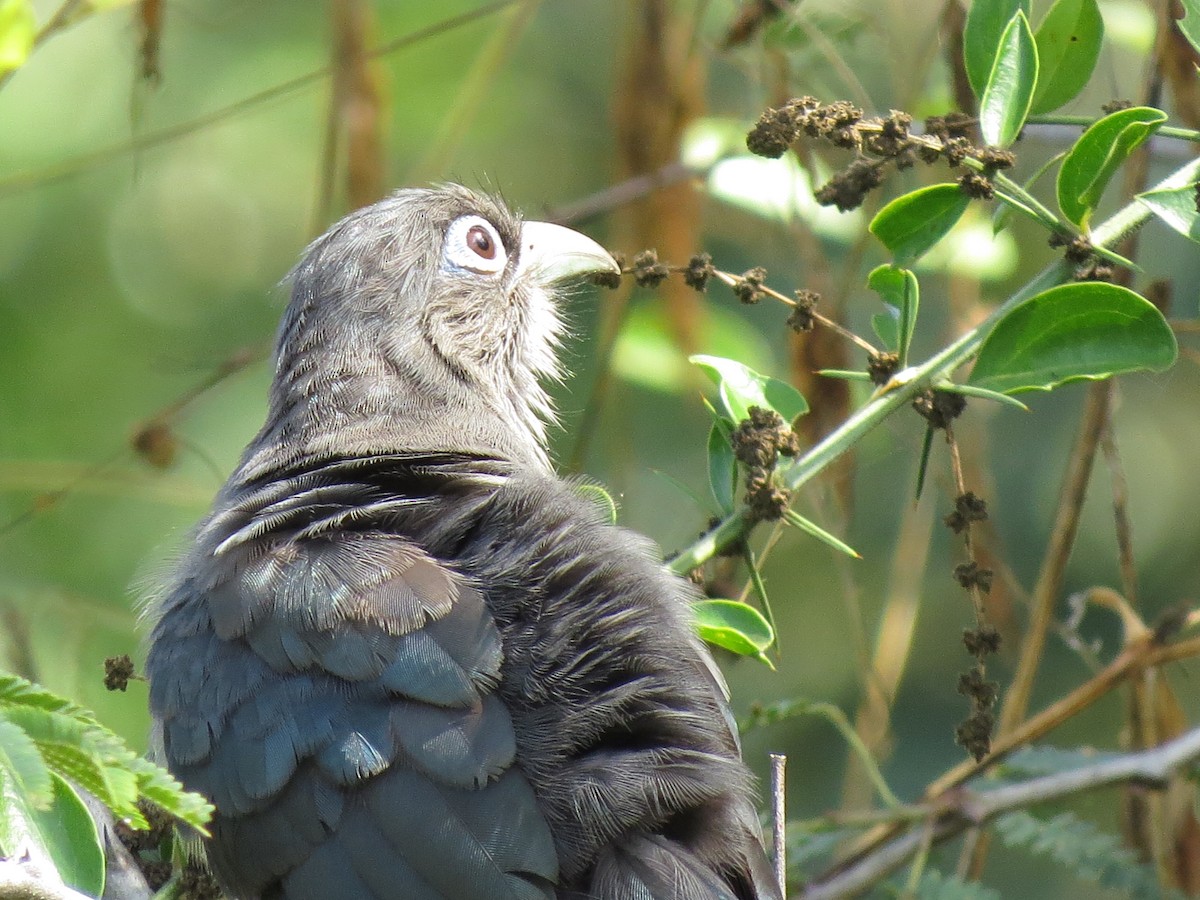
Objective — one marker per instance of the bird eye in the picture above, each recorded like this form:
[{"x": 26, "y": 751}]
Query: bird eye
[
  {"x": 473, "y": 243},
  {"x": 481, "y": 242}
]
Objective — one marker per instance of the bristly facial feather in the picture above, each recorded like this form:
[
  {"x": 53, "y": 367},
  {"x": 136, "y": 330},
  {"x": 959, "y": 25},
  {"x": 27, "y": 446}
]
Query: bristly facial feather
[{"x": 418, "y": 351}]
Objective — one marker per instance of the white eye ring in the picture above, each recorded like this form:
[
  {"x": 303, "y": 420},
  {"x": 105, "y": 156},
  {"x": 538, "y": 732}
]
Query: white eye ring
[{"x": 472, "y": 243}]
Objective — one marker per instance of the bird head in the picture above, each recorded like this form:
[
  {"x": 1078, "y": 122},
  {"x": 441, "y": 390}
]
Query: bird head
[{"x": 427, "y": 321}]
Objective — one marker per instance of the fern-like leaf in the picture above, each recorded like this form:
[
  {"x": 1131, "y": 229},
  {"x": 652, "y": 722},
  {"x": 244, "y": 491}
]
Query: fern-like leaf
[
  {"x": 933, "y": 885},
  {"x": 37, "y": 725},
  {"x": 1093, "y": 855}
]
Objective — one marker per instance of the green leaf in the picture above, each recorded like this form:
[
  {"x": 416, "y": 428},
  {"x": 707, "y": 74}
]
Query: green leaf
[
  {"x": 157, "y": 785},
  {"x": 970, "y": 390},
  {"x": 1009, "y": 92},
  {"x": 1189, "y": 25},
  {"x": 914, "y": 222},
  {"x": 1004, "y": 210},
  {"x": 735, "y": 626},
  {"x": 22, "y": 764},
  {"x": 18, "y": 26},
  {"x": 923, "y": 462},
  {"x": 899, "y": 289},
  {"x": 1068, "y": 45},
  {"x": 1097, "y": 154},
  {"x": 794, "y": 518},
  {"x": 740, "y": 387},
  {"x": 1087, "y": 330},
  {"x": 985, "y": 24},
  {"x": 886, "y": 326},
  {"x": 1042, "y": 759},
  {"x": 1083, "y": 849},
  {"x": 72, "y": 743},
  {"x": 68, "y": 834},
  {"x": 63, "y": 831},
  {"x": 933, "y": 885},
  {"x": 722, "y": 466},
  {"x": 1176, "y": 207}
]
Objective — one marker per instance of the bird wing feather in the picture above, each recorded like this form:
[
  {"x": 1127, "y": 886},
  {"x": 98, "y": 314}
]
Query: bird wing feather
[{"x": 349, "y": 682}]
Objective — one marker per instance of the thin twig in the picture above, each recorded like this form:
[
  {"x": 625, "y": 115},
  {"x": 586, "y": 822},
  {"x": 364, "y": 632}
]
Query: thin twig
[
  {"x": 967, "y": 808},
  {"x": 1054, "y": 565},
  {"x": 67, "y": 168},
  {"x": 1135, "y": 658},
  {"x": 779, "y": 819},
  {"x": 63, "y": 16},
  {"x": 730, "y": 279},
  {"x": 1121, "y": 517}
]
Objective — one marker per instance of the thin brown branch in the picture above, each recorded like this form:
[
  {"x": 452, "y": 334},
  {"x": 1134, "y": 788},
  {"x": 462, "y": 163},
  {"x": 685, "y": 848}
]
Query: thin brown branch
[
  {"x": 1121, "y": 517},
  {"x": 1062, "y": 539},
  {"x": 969, "y": 807},
  {"x": 87, "y": 161},
  {"x": 1136, "y": 657}
]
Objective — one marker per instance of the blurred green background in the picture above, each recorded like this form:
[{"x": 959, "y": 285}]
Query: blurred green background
[{"x": 133, "y": 268}]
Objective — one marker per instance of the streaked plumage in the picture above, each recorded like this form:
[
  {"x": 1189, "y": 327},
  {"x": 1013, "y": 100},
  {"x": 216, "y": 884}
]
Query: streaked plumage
[{"x": 403, "y": 658}]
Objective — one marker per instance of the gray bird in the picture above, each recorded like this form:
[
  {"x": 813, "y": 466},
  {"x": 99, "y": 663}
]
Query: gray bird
[{"x": 402, "y": 657}]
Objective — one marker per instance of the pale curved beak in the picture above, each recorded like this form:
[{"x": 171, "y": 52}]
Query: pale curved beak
[{"x": 551, "y": 253}]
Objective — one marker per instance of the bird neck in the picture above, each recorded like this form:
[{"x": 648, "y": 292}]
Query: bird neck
[{"x": 366, "y": 404}]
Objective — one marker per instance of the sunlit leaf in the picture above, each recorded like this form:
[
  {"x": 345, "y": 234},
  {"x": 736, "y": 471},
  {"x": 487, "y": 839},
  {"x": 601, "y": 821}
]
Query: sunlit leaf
[
  {"x": 914, "y": 222},
  {"x": 1176, "y": 207},
  {"x": 985, "y": 24},
  {"x": 898, "y": 288},
  {"x": 1097, "y": 154},
  {"x": 735, "y": 626},
  {"x": 21, "y": 764},
  {"x": 739, "y": 387},
  {"x": 1087, "y": 330},
  {"x": 1011, "y": 83},
  {"x": 18, "y": 26},
  {"x": 1068, "y": 45}
]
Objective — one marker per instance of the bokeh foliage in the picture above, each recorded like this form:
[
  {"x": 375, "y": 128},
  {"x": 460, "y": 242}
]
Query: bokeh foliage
[{"x": 137, "y": 272}]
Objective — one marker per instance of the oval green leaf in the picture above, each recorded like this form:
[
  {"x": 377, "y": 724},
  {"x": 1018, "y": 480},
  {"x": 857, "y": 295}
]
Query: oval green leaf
[
  {"x": 986, "y": 22},
  {"x": 69, "y": 835},
  {"x": 886, "y": 326},
  {"x": 1009, "y": 92},
  {"x": 1071, "y": 332},
  {"x": 1176, "y": 207},
  {"x": 1068, "y": 45},
  {"x": 898, "y": 288},
  {"x": 735, "y": 626},
  {"x": 1097, "y": 154},
  {"x": 722, "y": 466},
  {"x": 1189, "y": 25},
  {"x": 739, "y": 387},
  {"x": 17, "y": 29},
  {"x": 914, "y": 222}
]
